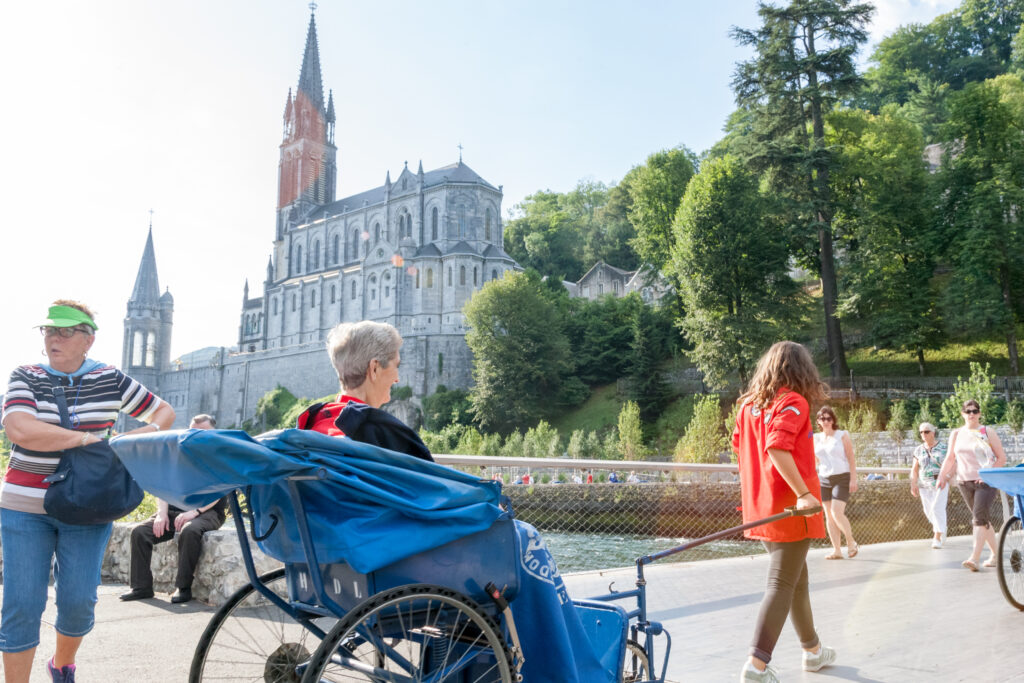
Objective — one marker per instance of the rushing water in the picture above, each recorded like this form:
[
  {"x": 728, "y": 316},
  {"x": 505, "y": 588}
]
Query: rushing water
[{"x": 584, "y": 551}]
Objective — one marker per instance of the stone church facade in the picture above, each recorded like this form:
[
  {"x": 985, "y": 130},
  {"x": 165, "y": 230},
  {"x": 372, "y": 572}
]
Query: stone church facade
[{"x": 410, "y": 252}]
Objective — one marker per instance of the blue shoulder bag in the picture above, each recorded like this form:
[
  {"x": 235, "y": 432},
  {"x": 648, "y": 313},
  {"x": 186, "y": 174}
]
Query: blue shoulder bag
[{"x": 91, "y": 485}]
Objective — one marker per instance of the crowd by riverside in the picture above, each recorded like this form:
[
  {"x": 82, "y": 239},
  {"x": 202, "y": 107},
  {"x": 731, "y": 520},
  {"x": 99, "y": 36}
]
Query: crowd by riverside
[{"x": 782, "y": 463}]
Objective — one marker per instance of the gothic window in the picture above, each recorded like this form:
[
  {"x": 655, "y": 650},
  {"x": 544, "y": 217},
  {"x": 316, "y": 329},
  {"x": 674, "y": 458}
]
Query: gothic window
[
  {"x": 333, "y": 294},
  {"x": 386, "y": 284},
  {"x": 353, "y": 289},
  {"x": 354, "y": 254},
  {"x": 494, "y": 274},
  {"x": 373, "y": 288},
  {"x": 600, "y": 289},
  {"x": 487, "y": 225},
  {"x": 401, "y": 227},
  {"x": 312, "y": 299},
  {"x": 430, "y": 277},
  {"x": 376, "y": 232},
  {"x": 293, "y": 303},
  {"x": 316, "y": 255},
  {"x": 151, "y": 350},
  {"x": 449, "y": 276},
  {"x": 405, "y": 183},
  {"x": 259, "y": 323},
  {"x": 337, "y": 248},
  {"x": 462, "y": 275},
  {"x": 474, "y": 276},
  {"x": 274, "y": 304},
  {"x": 433, "y": 223},
  {"x": 298, "y": 259},
  {"x": 417, "y": 279},
  {"x": 462, "y": 221},
  {"x": 138, "y": 348}
]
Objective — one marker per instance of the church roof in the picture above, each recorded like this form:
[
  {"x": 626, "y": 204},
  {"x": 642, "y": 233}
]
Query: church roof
[
  {"x": 458, "y": 172},
  {"x": 310, "y": 82},
  {"x": 147, "y": 285},
  {"x": 462, "y": 247},
  {"x": 494, "y": 251},
  {"x": 429, "y": 249}
]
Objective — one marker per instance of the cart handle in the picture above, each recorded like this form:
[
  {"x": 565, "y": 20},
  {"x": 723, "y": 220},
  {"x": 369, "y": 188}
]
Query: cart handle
[{"x": 790, "y": 511}]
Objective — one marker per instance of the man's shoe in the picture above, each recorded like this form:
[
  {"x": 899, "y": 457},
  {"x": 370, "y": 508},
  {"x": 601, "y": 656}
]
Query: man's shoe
[
  {"x": 137, "y": 594},
  {"x": 65, "y": 674},
  {"x": 181, "y": 595},
  {"x": 815, "y": 661},
  {"x": 749, "y": 673}
]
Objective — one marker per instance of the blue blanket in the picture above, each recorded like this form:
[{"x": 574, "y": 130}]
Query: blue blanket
[{"x": 369, "y": 507}]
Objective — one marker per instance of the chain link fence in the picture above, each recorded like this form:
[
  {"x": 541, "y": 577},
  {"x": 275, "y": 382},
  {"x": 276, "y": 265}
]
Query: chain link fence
[{"x": 637, "y": 508}]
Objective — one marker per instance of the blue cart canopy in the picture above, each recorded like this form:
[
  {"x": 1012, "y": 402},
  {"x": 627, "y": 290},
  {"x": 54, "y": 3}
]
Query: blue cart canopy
[{"x": 368, "y": 506}]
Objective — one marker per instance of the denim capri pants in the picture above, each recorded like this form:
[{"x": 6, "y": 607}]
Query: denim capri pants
[{"x": 32, "y": 543}]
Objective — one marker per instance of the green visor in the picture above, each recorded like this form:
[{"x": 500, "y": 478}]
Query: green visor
[{"x": 66, "y": 316}]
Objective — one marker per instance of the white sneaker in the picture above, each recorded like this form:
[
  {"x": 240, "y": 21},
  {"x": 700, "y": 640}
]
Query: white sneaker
[
  {"x": 749, "y": 673},
  {"x": 815, "y": 661},
  {"x": 936, "y": 543}
]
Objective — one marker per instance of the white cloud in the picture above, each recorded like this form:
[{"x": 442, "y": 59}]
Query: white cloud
[{"x": 891, "y": 14}]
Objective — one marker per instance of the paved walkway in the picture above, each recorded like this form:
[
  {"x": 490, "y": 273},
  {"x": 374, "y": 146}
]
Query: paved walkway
[{"x": 898, "y": 612}]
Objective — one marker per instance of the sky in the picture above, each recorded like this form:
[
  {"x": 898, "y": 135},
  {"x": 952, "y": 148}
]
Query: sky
[{"x": 114, "y": 108}]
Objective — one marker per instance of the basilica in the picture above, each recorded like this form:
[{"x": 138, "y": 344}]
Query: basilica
[{"x": 410, "y": 252}]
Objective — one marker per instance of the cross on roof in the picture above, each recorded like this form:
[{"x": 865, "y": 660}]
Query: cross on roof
[
  {"x": 460, "y": 152},
  {"x": 312, "y": 7},
  {"x": 151, "y": 219}
]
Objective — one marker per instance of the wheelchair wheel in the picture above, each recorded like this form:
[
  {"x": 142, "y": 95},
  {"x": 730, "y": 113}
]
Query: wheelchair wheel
[
  {"x": 637, "y": 667},
  {"x": 1011, "y": 562},
  {"x": 249, "y": 638},
  {"x": 413, "y": 632}
]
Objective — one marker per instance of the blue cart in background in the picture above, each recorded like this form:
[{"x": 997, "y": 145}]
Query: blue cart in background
[{"x": 1010, "y": 560}]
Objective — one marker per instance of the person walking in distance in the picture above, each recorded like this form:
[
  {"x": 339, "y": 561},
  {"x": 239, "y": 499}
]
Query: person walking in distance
[{"x": 837, "y": 469}]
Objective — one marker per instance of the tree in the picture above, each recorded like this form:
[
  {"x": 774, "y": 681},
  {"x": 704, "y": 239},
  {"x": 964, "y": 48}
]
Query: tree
[
  {"x": 271, "y": 409},
  {"x": 704, "y": 439},
  {"x": 600, "y": 335},
  {"x": 899, "y": 423},
  {"x": 981, "y": 190},
  {"x": 446, "y": 406},
  {"x": 656, "y": 188},
  {"x": 803, "y": 65},
  {"x": 884, "y": 218},
  {"x": 731, "y": 269},
  {"x": 521, "y": 357},
  {"x": 979, "y": 386},
  {"x": 924, "y": 414},
  {"x": 647, "y": 387},
  {"x": 631, "y": 433}
]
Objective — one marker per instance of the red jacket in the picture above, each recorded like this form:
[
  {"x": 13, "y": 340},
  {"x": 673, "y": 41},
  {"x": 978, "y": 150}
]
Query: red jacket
[{"x": 785, "y": 425}]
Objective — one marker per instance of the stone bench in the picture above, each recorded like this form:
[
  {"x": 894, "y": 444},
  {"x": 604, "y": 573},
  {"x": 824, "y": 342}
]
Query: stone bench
[{"x": 219, "y": 574}]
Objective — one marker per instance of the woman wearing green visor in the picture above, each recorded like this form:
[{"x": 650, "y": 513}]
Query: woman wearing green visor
[{"x": 32, "y": 540}]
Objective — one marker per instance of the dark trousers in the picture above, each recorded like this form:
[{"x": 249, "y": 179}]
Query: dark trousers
[
  {"x": 785, "y": 595},
  {"x": 190, "y": 543}
]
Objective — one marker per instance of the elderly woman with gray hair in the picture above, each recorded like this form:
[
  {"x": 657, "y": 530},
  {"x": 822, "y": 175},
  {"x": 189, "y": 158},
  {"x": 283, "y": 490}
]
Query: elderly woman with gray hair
[
  {"x": 366, "y": 357},
  {"x": 924, "y": 477}
]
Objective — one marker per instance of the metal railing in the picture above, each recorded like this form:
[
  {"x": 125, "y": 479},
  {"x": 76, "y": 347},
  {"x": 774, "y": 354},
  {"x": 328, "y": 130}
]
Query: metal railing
[{"x": 657, "y": 505}]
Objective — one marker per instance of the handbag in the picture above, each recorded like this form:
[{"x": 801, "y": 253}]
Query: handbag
[{"x": 91, "y": 484}]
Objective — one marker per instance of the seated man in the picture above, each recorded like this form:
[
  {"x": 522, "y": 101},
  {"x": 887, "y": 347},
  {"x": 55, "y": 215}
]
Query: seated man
[{"x": 190, "y": 526}]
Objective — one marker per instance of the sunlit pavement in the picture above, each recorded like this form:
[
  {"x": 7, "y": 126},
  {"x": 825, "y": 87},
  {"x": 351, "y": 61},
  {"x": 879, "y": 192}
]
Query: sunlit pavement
[{"x": 897, "y": 612}]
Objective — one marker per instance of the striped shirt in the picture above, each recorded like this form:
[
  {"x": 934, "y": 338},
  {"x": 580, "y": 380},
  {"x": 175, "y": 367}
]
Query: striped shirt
[{"x": 94, "y": 400}]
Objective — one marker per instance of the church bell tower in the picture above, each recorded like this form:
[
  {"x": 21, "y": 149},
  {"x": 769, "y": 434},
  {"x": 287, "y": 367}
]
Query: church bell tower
[{"x": 146, "y": 351}]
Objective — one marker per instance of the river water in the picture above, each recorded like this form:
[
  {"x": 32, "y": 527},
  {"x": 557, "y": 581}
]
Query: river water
[{"x": 574, "y": 552}]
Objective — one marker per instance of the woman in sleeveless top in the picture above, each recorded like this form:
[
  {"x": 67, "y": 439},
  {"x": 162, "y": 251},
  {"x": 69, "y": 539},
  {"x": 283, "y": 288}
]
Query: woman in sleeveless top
[
  {"x": 972, "y": 448},
  {"x": 837, "y": 470}
]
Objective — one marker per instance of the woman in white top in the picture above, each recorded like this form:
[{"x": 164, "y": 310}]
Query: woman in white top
[
  {"x": 971, "y": 448},
  {"x": 924, "y": 477},
  {"x": 837, "y": 470}
]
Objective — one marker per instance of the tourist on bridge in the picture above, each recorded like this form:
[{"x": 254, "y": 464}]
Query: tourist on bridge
[
  {"x": 776, "y": 462},
  {"x": 837, "y": 469},
  {"x": 33, "y": 540},
  {"x": 924, "y": 477},
  {"x": 971, "y": 448}
]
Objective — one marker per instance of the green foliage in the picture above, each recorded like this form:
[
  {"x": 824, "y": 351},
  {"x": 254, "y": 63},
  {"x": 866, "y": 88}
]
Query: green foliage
[
  {"x": 446, "y": 406},
  {"x": 272, "y": 408},
  {"x": 979, "y": 387},
  {"x": 705, "y": 439},
  {"x": 730, "y": 425},
  {"x": 5, "y": 451},
  {"x": 513, "y": 446},
  {"x": 577, "y": 444},
  {"x": 470, "y": 442},
  {"x": 862, "y": 422},
  {"x": 656, "y": 189},
  {"x": 899, "y": 423},
  {"x": 980, "y": 188},
  {"x": 522, "y": 363},
  {"x": 1015, "y": 416},
  {"x": 671, "y": 424},
  {"x": 631, "y": 433},
  {"x": 600, "y": 335},
  {"x": 731, "y": 267},
  {"x": 401, "y": 393},
  {"x": 924, "y": 414},
  {"x": 610, "y": 446},
  {"x": 647, "y": 388},
  {"x": 542, "y": 441}
]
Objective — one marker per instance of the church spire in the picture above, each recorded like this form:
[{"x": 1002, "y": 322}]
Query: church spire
[
  {"x": 310, "y": 82},
  {"x": 147, "y": 285}
]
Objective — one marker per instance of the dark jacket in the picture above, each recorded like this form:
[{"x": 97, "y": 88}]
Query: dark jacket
[{"x": 373, "y": 426}]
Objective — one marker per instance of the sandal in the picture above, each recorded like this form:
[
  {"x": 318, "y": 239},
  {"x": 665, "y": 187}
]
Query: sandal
[
  {"x": 834, "y": 556},
  {"x": 852, "y": 552},
  {"x": 990, "y": 562},
  {"x": 970, "y": 565}
]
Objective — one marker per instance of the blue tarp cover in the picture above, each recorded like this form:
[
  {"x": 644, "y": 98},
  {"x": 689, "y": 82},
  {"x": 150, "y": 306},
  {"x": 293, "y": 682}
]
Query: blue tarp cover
[{"x": 371, "y": 508}]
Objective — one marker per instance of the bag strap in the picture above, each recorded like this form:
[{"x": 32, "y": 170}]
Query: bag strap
[{"x": 62, "y": 402}]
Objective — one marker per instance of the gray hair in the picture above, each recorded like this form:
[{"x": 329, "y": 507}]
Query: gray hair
[
  {"x": 353, "y": 346},
  {"x": 928, "y": 427},
  {"x": 203, "y": 417}
]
